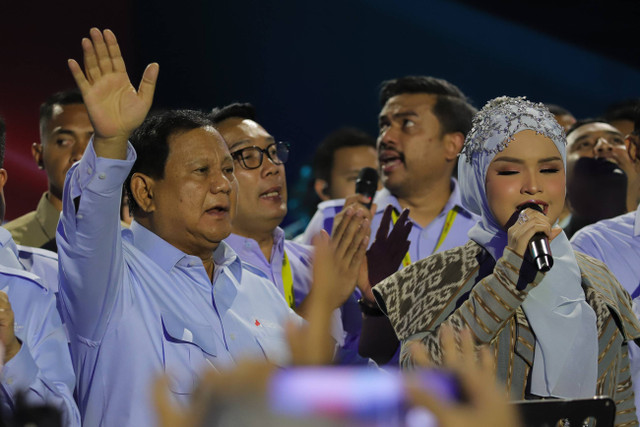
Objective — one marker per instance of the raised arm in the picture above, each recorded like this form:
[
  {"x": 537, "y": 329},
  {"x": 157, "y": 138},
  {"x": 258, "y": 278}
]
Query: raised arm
[
  {"x": 115, "y": 107},
  {"x": 88, "y": 236}
]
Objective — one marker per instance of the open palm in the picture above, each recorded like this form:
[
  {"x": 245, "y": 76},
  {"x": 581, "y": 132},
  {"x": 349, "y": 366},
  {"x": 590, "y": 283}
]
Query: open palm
[{"x": 114, "y": 105}]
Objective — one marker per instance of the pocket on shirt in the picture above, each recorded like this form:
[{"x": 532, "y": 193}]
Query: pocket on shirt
[
  {"x": 183, "y": 358},
  {"x": 272, "y": 342}
]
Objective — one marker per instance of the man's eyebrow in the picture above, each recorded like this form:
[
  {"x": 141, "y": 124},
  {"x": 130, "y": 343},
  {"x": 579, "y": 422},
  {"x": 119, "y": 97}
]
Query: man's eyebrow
[
  {"x": 608, "y": 132},
  {"x": 269, "y": 139},
  {"x": 61, "y": 130},
  {"x": 399, "y": 115}
]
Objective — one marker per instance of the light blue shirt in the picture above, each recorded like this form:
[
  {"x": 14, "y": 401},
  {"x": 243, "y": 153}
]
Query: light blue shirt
[
  {"x": 300, "y": 260},
  {"x": 616, "y": 242},
  {"x": 136, "y": 306},
  {"x": 423, "y": 241},
  {"x": 42, "y": 368},
  {"x": 41, "y": 262}
]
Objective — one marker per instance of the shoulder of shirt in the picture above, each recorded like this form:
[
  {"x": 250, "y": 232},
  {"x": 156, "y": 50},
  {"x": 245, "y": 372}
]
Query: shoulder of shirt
[
  {"x": 39, "y": 252},
  {"x": 298, "y": 246},
  {"x": 603, "y": 227},
  {"x": 28, "y": 278},
  {"x": 22, "y": 222},
  {"x": 331, "y": 204}
]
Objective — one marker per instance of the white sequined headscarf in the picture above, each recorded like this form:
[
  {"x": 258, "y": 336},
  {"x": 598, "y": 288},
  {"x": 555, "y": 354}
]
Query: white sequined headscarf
[{"x": 565, "y": 359}]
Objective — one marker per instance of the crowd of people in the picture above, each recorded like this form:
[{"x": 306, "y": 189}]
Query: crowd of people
[{"x": 153, "y": 279}]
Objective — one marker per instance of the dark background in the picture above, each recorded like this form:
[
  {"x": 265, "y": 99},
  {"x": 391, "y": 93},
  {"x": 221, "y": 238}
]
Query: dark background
[{"x": 310, "y": 67}]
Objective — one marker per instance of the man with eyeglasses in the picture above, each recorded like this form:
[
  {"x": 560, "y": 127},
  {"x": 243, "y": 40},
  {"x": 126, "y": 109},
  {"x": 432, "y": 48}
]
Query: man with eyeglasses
[
  {"x": 262, "y": 205},
  {"x": 616, "y": 242}
]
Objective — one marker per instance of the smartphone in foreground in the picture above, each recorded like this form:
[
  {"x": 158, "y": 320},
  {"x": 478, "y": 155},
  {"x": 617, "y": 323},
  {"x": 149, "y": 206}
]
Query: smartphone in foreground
[{"x": 357, "y": 396}]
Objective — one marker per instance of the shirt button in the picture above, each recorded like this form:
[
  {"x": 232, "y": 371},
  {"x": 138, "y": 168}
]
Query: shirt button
[
  {"x": 232, "y": 336},
  {"x": 102, "y": 176},
  {"x": 9, "y": 380},
  {"x": 89, "y": 171},
  {"x": 79, "y": 216}
]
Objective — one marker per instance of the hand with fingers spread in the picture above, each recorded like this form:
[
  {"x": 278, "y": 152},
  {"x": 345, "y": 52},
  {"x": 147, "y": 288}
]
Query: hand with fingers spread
[
  {"x": 387, "y": 250},
  {"x": 115, "y": 107},
  {"x": 486, "y": 404},
  {"x": 529, "y": 223}
]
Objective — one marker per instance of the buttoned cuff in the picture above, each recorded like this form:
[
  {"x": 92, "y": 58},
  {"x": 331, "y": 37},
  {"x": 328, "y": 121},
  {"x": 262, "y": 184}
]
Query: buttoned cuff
[
  {"x": 102, "y": 175},
  {"x": 20, "y": 372}
]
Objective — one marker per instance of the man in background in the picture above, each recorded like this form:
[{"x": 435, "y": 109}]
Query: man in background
[
  {"x": 422, "y": 125},
  {"x": 338, "y": 160},
  {"x": 262, "y": 205},
  {"x": 34, "y": 353},
  {"x": 65, "y": 131}
]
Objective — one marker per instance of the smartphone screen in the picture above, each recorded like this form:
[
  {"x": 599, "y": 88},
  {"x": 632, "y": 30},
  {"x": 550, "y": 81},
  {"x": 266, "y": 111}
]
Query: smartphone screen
[{"x": 357, "y": 396}]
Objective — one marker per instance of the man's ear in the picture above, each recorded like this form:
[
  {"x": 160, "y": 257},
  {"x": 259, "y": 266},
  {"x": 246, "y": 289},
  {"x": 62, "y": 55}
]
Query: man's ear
[
  {"x": 632, "y": 148},
  {"x": 3, "y": 178},
  {"x": 36, "y": 152},
  {"x": 142, "y": 191},
  {"x": 322, "y": 189},
  {"x": 453, "y": 143}
]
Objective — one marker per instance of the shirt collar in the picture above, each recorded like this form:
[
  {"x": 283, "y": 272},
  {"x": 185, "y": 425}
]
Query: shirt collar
[
  {"x": 159, "y": 250},
  {"x": 384, "y": 198},
  {"x": 636, "y": 223},
  {"x": 6, "y": 241},
  {"x": 167, "y": 256},
  {"x": 248, "y": 247}
]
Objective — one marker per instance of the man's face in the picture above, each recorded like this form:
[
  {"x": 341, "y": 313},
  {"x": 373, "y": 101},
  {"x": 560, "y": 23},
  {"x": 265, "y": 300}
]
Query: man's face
[
  {"x": 410, "y": 145},
  {"x": 262, "y": 192},
  {"x": 194, "y": 203},
  {"x": 347, "y": 163},
  {"x": 597, "y": 140},
  {"x": 63, "y": 140}
]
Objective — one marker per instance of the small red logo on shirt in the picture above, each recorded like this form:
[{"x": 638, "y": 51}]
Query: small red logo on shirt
[{"x": 257, "y": 323}]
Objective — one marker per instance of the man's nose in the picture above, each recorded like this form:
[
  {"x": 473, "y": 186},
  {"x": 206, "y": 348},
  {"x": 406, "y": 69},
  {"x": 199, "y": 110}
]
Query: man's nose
[{"x": 602, "y": 147}]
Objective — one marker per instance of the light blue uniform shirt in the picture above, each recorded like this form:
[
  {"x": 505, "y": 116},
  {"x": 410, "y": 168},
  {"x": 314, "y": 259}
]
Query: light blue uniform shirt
[
  {"x": 423, "y": 239},
  {"x": 616, "y": 242},
  {"x": 42, "y": 368},
  {"x": 136, "y": 306},
  {"x": 41, "y": 262},
  {"x": 423, "y": 243},
  {"x": 300, "y": 260}
]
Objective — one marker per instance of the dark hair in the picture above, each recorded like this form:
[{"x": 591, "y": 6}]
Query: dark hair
[
  {"x": 623, "y": 110},
  {"x": 557, "y": 110},
  {"x": 239, "y": 110},
  {"x": 67, "y": 97},
  {"x": 151, "y": 142},
  {"x": 452, "y": 108},
  {"x": 324, "y": 156},
  {"x": 583, "y": 122},
  {"x": 3, "y": 138}
]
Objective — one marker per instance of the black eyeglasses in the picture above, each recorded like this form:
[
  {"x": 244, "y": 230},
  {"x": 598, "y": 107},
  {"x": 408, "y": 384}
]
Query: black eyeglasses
[{"x": 251, "y": 157}]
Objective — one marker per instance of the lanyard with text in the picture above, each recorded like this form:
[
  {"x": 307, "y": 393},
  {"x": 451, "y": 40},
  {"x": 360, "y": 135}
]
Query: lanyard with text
[
  {"x": 448, "y": 222},
  {"x": 287, "y": 281}
]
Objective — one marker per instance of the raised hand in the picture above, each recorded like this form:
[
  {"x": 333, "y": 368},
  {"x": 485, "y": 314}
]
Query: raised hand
[
  {"x": 387, "y": 251},
  {"x": 115, "y": 107},
  {"x": 486, "y": 404}
]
